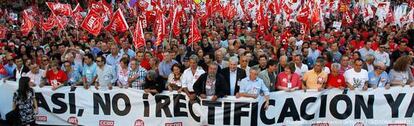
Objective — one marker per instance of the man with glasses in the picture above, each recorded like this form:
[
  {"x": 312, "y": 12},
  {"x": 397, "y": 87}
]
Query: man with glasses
[
  {"x": 382, "y": 56},
  {"x": 106, "y": 74},
  {"x": 378, "y": 77},
  {"x": 357, "y": 77},
  {"x": 88, "y": 71}
]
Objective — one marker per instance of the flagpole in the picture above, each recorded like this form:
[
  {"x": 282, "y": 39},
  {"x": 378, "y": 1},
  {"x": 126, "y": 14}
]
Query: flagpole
[{"x": 192, "y": 34}]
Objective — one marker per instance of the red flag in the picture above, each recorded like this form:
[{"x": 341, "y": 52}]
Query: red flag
[
  {"x": 27, "y": 24},
  {"x": 195, "y": 35},
  {"x": 118, "y": 22},
  {"x": 315, "y": 17},
  {"x": 3, "y": 31},
  {"x": 60, "y": 9},
  {"x": 76, "y": 16},
  {"x": 49, "y": 23},
  {"x": 101, "y": 8},
  {"x": 93, "y": 23},
  {"x": 160, "y": 30},
  {"x": 274, "y": 7},
  {"x": 230, "y": 11},
  {"x": 346, "y": 19},
  {"x": 138, "y": 37},
  {"x": 303, "y": 16},
  {"x": 61, "y": 22},
  {"x": 176, "y": 22}
]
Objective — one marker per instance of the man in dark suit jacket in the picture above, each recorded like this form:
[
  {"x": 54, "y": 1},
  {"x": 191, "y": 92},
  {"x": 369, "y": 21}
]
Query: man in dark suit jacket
[
  {"x": 232, "y": 88},
  {"x": 210, "y": 84},
  {"x": 20, "y": 70}
]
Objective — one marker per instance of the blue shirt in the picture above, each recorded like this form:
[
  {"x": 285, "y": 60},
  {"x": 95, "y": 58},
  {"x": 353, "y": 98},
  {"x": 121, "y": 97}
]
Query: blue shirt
[
  {"x": 89, "y": 71},
  {"x": 10, "y": 69},
  {"x": 95, "y": 51},
  {"x": 254, "y": 87},
  {"x": 113, "y": 60},
  {"x": 164, "y": 68},
  {"x": 75, "y": 67},
  {"x": 130, "y": 53},
  {"x": 378, "y": 81},
  {"x": 73, "y": 77}
]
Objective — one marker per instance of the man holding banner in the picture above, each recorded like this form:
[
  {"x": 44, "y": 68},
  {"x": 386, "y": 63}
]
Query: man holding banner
[{"x": 253, "y": 87}]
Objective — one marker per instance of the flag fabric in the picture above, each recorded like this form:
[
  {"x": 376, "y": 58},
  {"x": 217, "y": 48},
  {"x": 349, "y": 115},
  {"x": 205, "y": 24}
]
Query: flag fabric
[
  {"x": 160, "y": 30},
  {"x": 347, "y": 19},
  {"x": 59, "y": 8},
  {"x": 315, "y": 17},
  {"x": 62, "y": 22},
  {"x": 27, "y": 24},
  {"x": 93, "y": 23},
  {"x": 76, "y": 15},
  {"x": 138, "y": 37},
  {"x": 118, "y": 22},
  {"x": 176, "y": 22},
  {"x": 195, "y": 35},
  {"x": 3, "y": 31},
  {"x": 49, "y": 23}
]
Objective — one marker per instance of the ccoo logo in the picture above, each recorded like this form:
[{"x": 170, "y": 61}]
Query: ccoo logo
[
  {"x": 139, "y": 122},
  {"x": 106, "y": 123}
]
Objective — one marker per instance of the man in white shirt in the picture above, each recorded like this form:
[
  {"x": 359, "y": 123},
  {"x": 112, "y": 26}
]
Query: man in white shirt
[
  {"x": 191, "y": 75},
  {"x": 357, "y": 77},
  {"x": 36, "y": 75},
  {"x": 301, "y": 68}
]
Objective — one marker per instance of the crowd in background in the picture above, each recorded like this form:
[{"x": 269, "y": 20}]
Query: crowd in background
[{"x": 231, "y": 59}]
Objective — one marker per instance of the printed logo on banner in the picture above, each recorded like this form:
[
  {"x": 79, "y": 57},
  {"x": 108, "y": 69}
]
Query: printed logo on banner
[
  {"x": 139, "y": 122},
  {"x": 174, "y": 124},
  {"x": 73, "y": 120},
  {"x": 106, "y": 123},
  {"x": 397, "y": 124},
  {"x": 41, "y": 118},
  {"x": 320, "y": 124},
  {"x": 359, "y": 124}
]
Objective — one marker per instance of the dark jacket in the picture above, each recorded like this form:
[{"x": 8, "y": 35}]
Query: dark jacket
[
  {"x": 154, "y": 84},
  {"x": 239, "y": 76},
  {"x": 200, "y": 85},
  {"x": 24, "y": 71}
]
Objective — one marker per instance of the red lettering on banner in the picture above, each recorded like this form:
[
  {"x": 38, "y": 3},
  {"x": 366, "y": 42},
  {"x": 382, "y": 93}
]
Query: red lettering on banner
[
  {"x": 139, "y": 122},
  {"x": 320, "y": 124},
  {"x": 73, "y": 120},
  {"x": 106, "y": 123},
  {"x": 174, "y": 124},
  {"x": 41, "y": 118}
]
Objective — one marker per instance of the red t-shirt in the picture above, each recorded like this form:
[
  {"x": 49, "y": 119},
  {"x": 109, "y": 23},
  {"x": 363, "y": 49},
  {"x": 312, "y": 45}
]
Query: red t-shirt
[
  {"x": 357, "y": 44},
  {"x": 336, "y": 81},
  {"x": 60, "y": 77}
]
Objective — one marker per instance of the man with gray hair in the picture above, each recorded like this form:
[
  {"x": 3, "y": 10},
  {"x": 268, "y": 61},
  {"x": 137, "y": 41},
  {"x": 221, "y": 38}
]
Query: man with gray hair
[
  {"x": 378, "y": 77},
  {"x": 253, "y": 86},
  {"x": 369, "y": 63},
  {"x": 210, "y": 84},
  {"x": 233, "y": 75},
  {"x": 191, "y": 75},
  {"x": 336, "y": 80}
]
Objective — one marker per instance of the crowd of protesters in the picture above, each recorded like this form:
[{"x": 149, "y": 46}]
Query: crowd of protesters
[{"x": 232, "y": 59}]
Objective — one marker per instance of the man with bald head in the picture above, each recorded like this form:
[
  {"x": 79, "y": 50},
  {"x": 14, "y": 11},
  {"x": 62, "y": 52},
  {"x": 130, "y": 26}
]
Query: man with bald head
[{"x": 233, "y": 75}]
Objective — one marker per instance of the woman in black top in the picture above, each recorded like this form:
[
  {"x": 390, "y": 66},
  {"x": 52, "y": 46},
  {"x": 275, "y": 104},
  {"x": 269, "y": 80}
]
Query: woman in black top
[{"x": 24, "y": 100}]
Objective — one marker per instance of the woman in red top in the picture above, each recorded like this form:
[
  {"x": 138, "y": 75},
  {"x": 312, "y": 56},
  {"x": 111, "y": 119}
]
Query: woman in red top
[
  {"x": 288, "y": 80},
  {"x": 55, "y": 77},
  {"x": 336, "y": 80}
]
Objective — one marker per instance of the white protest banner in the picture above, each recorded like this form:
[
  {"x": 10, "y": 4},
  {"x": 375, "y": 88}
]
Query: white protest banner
[{"x": 130, "y": 107}]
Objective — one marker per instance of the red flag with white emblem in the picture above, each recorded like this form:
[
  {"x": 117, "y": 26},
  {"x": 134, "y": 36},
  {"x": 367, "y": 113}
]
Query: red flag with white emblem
[
  {"x": 118, "y": 22},
  {"x": 49, "y": 23},
  {"x": 59, "y": 8},
  {"x": 3, "y": 31},
  {"x": 195, "y": 35},
  {"x": 27, "y": 24},
  {"x": 138, "y": 37},
  {"x": 93, "y": 23}
]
